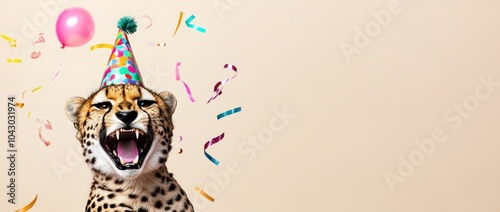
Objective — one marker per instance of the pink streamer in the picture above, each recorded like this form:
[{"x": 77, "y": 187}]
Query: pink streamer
[
  {"x": 220, "y": 85},
  {"x": 47, "y": 126},
  {"x": 178, "y": 78}
]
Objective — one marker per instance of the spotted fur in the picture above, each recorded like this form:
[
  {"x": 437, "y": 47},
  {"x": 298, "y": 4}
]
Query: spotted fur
[{"x": 148, "y": 188}]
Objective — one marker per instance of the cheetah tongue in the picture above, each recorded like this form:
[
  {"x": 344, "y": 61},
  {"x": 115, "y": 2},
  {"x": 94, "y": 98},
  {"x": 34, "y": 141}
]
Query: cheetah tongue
[{"x": 127, "y": 151}]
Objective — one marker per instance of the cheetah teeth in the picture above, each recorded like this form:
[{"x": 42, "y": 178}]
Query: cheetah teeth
[
  {"x": 117, "y": 132},
  {"x": 136, "y": 160}
]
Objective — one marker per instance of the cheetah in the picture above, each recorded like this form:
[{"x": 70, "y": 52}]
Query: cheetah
[{"x": 125, "y": 131}]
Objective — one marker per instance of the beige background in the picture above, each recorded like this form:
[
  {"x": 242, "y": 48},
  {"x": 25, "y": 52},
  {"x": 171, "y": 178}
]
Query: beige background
[{"x": 353, "y": 121}]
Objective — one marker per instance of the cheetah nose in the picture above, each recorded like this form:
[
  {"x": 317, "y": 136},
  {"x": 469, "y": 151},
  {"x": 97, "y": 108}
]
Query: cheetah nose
[{"x": 127, "y": 117}]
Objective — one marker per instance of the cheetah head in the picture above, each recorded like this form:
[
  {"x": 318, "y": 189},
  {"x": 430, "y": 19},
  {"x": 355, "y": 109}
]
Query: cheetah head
[{"x": 125, "y": 130}]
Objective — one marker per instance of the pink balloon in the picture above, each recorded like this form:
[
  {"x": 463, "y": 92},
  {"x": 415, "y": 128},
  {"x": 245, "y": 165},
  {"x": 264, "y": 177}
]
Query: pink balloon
[{"x": 74, "y": 27}]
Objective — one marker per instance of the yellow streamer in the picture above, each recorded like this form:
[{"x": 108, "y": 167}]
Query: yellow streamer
[
  {"x": 36, "y": 89},
  {"x": 178, "y": 23},
  {"x": 101, "y": 45},
  {"x": 12, "y": 41},
  {"x": 28, "y": 206},
  {"x": 204, "y": 194},
  {"x": 14, "y": 60}
]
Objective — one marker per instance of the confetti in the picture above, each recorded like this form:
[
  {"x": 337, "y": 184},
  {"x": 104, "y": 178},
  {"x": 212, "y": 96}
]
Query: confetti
[
  {"x": 101, "y": 45},
  {"x": 20, "y": 105},
  {"x": 219, "y": 85},
  {"x": 29, "y": 114},
  {"x": 28, "y": 206},
  {"x": 192, "y": 26},
  {"x": 150, "y": 20},
  {"x": 178, "y": 23},
  {"x": 178, "y": 78},
  {"x": 180, "y": 138},
  {"x": 47, "y": 126},
  {"x": 41, "y": 39},
  {"x": 180, "y": 151},
  {"x": 151, "y": 43},
  {"x": 36, "y": 89},
  {"x": 12, "y": 41},
  {"x": 210, "y": 143},
  {"x": 14, "y": 60},
  {"x": 204, "y": 194},
  {"x": 228, "y": 112},
  {"x": 35, "y": 55},
  {"x": 60, "y": 65}
]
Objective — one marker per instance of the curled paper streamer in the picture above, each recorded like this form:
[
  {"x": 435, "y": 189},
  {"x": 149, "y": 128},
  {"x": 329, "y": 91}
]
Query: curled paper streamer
[
  {"x": 19, "y": 105},
  {"x": 23, "y": 94},
  {"x": 178, "y": 78},
  {"x": 150, "y": 20},
  {"x": 14, "y": 60},
  {"x": 28, "y": 206},
  {"x": 12, "y": 41},
  {"x": 219, "y": 85},
  {"x": 47, "y": 126},
  {"x": 56, "y": 73},
  {"x": 180, "y": 151},
  {"x": 178, "y": 23},
  {"x": 101, "y": 45},
  {"x": 36, "y": 89},
  {"x": 192, "y": 26},
  {"x": 204, "y": 194},
  {"x": 35, "y": 55},
  {"x": 210, "y": 143},
  {"x": 228, "y": 112}
]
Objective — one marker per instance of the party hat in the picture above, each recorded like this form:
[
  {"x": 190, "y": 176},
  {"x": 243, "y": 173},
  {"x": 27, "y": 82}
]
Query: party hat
[{"x": 122, "y": 67}]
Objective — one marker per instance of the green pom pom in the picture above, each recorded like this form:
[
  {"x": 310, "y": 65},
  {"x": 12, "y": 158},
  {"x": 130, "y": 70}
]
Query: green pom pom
[{"x": 127, "y": 24}]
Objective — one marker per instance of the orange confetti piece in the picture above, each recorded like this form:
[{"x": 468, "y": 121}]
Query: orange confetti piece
[
  {"x": 28, "y": 206},
  {"x": 180, "y": 151},
  {"x": 178, "y": 23},
  {"x": 204, "y": 194},
  {"x": 36, "y": 89},
  {"x": 20, "y": 105}
]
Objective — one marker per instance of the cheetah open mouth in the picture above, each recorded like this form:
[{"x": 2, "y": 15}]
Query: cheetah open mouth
[{"x": 127, "y": 148}]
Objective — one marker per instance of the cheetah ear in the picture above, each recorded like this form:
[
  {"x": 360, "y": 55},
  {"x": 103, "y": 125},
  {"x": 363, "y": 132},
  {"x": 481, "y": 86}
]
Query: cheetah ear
[
  {"x": 170, "y": 100},
  {"x": 72, "y": 108}
]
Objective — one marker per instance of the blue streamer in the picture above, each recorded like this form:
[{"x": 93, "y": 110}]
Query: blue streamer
[
  {"x": 192, "y": 26},
  {"x": 228, "y": 112}
]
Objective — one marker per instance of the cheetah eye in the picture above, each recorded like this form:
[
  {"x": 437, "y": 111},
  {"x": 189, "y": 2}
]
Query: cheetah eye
[
  {"x": 102, "y": 105},
  {"x": 145, "y": 103}
]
